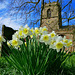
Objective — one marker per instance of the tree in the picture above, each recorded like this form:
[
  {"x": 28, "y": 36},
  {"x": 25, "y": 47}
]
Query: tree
[{"x": 31, "y": 10}]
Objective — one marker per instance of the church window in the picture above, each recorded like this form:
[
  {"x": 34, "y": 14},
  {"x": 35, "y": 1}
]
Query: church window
[{"x": 48, "y": 13}]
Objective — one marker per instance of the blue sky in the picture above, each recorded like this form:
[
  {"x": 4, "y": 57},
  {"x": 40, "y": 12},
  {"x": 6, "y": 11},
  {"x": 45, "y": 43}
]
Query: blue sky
[{"x": 15, "y": 23}]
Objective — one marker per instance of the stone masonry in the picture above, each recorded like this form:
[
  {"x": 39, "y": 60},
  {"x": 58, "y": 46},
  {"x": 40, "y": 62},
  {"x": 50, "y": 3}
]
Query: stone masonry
[{"x": 51, "y": 18}]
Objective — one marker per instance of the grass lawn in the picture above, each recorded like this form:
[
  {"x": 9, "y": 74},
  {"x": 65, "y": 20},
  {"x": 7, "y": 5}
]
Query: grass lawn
[
  {"x": 69, "y": 66},
  {"x": 6, "y": 69}
]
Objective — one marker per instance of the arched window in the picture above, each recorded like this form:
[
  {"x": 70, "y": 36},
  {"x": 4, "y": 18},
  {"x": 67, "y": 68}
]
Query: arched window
[{"x": 48, "y": 13}]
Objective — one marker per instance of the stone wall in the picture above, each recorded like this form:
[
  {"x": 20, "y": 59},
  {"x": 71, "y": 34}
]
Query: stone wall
[{"x": 54, "y": 22}]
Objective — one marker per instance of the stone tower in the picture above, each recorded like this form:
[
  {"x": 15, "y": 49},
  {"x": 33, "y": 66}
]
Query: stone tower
[{"x": 51, "y": 16}]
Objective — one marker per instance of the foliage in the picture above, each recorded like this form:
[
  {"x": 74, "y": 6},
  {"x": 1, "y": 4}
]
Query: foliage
[
  {"x": 35, "y": 52},
  {"x": 36, "y": 59},
  {"x": 6, "y": 68},
  {"x": 69, "y": 66}
]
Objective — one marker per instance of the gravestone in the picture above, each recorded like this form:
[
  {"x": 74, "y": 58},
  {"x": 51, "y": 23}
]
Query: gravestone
[{"x": 7, "y": 33}]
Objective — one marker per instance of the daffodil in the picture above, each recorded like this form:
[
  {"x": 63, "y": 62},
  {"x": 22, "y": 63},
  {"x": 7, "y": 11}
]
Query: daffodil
[
  {"x": 59, "y": 45},
  {"x": 37, "y": 31},
  {"x": 16, "y": 35},
  {"x": 45, "y": 38},
  {"x": 15, "y": 42},
  {"x": 58, "y": 38},
  {"x": 26, "y": 32},
  {"x": 8, "y": 43},
  {"x": 25, "y": 44},
  {"x": 33, "y": 32},
  {"x": 54, "y": 41},
  {"x": 20, "y": 32},
  {"x": 44, "y": 30},
  {"x": 65, "y": 40},
  {"x": 52, "y": 34},
  {"x": 52, "y": 44},
  {"x": 69, "y": 43},
  {"x": 31, "y": 36}
]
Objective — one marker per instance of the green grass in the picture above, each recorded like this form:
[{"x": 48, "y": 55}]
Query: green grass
[
  {"x": 68, "y": 67},
  {"x": 5, "y": 68}
]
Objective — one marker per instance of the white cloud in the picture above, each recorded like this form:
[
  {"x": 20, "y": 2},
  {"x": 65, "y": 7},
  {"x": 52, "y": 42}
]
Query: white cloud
[{"x": 3, "y": 4}]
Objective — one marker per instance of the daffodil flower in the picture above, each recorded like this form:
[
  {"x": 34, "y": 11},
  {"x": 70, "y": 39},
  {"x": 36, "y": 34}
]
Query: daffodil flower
[
  {"x": 58, "y": 38},
  {"x": 8, "y": 43},
  {"x": 16, "y": 35},
  {"x": 25, "y": 44},
  {"x": 59, "y": 45},
  {"x": 44, "y": 30},
  {"x": 65, "y": 40},
  {"x": 54, "y": 41},
  {"x": 26, "y": 32},
  {"x": 45, "y": 38},
  {"x": 69, "y": 43},
  {"x": 52, "y": 34},
  {"x": 37, "y": 31},
  {"x": 15, "y": 42}
]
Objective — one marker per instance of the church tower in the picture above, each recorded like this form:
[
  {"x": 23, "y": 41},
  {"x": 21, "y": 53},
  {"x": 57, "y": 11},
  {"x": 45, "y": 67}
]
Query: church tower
[{"x": 51, "y": 16}]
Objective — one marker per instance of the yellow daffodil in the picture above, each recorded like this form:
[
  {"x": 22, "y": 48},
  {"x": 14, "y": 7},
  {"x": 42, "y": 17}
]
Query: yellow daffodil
[
  {"x": 25, "y": 44},
  {"x": 52, "y": 34},
  {"x": 25, "y": 31},
  {"x": 20, "y": 33},
  {"x": 36, "y": 31},
  {"x": 65, "y": 40},
  {"x": 52, "y": 42},
  {"x": 15, "y": 42},
  {"x": 44, "y": 29},
  {"x": 45, "y": 38},
  {"x": 8, "y": 44},
  {"x": 59, "y": 45},
  {"x": 69, "y": 44}
]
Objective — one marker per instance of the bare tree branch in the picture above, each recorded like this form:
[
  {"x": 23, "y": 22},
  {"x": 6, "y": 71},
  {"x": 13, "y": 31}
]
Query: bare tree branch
[{"x": 67, "y": 4}]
